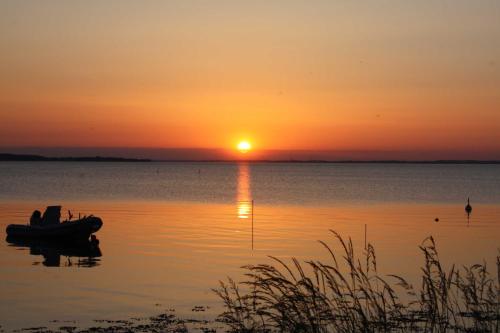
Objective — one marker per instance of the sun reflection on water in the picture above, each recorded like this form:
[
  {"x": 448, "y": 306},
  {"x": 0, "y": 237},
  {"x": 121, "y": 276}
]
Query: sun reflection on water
[{"x": 244, "y": 196}]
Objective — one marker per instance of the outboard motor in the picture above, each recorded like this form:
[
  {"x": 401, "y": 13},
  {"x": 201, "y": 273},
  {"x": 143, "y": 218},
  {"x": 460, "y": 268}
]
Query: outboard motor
[{"x": 52, "y": 215}]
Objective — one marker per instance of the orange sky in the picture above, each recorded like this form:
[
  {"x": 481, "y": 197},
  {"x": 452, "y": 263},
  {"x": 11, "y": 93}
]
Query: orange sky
[{"x": 313, "y": 75}]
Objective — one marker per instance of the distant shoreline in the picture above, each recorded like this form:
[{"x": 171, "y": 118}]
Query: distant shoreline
[
  {"x": 338, "y": 161},
  {"x": 40, "y": 158}
]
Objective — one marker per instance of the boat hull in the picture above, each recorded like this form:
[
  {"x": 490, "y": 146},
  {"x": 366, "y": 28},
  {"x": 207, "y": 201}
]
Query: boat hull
[{"x": 66, "y": 231}]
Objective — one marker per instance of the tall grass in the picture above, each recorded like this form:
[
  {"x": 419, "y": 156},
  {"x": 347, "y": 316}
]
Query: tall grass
[{"x": 347, "y": 294}]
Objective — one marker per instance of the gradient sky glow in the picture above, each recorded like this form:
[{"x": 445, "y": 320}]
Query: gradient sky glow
[{"x": 314, "y": 75}]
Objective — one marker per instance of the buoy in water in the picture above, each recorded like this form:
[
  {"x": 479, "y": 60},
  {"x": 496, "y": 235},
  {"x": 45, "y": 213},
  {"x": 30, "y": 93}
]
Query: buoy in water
[{"x": 468, "y": 207}]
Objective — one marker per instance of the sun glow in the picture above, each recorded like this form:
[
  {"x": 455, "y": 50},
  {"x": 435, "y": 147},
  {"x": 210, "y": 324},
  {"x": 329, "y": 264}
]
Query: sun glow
[{"x": 244, "y": 146}]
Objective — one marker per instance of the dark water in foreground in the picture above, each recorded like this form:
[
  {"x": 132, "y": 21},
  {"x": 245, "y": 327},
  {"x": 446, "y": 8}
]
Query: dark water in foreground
[{"x": 172, "y": 230}]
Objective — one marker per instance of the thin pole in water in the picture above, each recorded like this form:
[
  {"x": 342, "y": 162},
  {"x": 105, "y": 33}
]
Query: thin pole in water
[
  {"x": 252, "y": 224},
  {"x": 365, "y": 235}
]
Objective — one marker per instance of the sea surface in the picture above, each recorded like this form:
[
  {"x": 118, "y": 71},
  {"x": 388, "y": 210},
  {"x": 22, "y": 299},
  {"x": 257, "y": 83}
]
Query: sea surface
[{"x": 173, "y": 230}]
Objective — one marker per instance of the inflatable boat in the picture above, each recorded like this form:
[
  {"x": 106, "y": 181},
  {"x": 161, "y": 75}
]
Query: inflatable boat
[
  {"x": 49, "y": 227},
  {"x": 69, "y": 230}
]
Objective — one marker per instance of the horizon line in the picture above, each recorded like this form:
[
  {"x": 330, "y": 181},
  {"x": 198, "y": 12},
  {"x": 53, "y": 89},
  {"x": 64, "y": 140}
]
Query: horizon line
[
  {"x": 220, "y": 154},
  {"x": 7, "y": 157},
  {"x": 233, "y": 149}
]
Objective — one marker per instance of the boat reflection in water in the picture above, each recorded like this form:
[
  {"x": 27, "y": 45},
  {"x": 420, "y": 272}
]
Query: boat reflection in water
[{"x": 82, "y": 254}]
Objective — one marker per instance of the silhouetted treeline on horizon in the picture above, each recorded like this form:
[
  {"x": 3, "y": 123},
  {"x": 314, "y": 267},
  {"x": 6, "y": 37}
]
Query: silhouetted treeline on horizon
[{"x": 35, "y": 158}]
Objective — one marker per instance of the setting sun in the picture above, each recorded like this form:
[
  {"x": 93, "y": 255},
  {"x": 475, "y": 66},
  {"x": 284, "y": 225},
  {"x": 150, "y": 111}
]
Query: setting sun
[{"x": 244, "y": 146}]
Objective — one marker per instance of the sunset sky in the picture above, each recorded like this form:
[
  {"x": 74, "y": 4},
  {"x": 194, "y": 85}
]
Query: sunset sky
[{"x": 393, "y": 77}]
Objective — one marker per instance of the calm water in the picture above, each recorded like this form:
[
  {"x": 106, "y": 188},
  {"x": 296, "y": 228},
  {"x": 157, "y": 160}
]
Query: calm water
[{"x": 172, "y": 230}]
